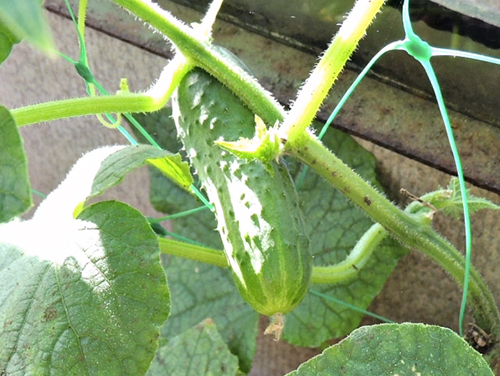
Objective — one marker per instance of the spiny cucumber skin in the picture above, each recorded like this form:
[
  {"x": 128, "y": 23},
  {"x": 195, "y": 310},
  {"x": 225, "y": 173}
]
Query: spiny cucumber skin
[{"x": 258, "y": 213}]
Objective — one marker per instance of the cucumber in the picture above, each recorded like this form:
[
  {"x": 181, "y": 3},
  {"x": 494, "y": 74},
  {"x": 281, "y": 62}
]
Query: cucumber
[{"x": 257, "y": 209}]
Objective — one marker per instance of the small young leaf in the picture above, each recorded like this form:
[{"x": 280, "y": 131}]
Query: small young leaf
[
  {"x": 265, "y": 144},
  {"x": 15, "y": 194},
  {"x": 197, "y": 351},
  {"x": 451, "y": 201},
  {"x": 25, "y": 19},
  {"x": 116, "y": 165},
  {"x": 398, "y": 349},
  {"x": 81, "y": 297}
]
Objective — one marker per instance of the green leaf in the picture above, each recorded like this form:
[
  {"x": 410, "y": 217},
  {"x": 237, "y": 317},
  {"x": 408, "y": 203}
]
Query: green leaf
[
  {"x": 398, "y": 349},
  {"x": 335, "y": 225},
  {"x": 105, "y": 167},
  {"x": 80, "y": 297},
  {"x": 198, "y": 290},
  {"x": 25, "y": 19},
  {"x": 77, "y": 186},
  {"x": 7, "y": 41},
  {"x": 115, "y": 166},
  {"x": 15, "y": 193},
  {"x": 202, "y": 291},
  {"x": 197, "y": 351},
  {"x": 264, "y": 146}
]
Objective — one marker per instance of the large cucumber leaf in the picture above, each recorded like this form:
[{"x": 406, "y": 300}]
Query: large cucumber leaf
[
  {"x": 81, "y": 297},
  {"x": 398, "y": 349},
  {"x": 199, "y": 350},
  {"x": 15, "y": 193}
]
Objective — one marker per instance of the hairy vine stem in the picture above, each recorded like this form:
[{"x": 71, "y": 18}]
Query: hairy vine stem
[
  {"x": 153, "y": 100},
  {"x": 321, "y": 79},
  {"x": 407, "y": 228}
]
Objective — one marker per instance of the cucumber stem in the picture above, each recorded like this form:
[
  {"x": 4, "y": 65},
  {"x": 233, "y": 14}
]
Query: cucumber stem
[
  {"x": 321, "y": 79},
  {"x": 413, "y": 232},
  {"x": 193, "y": 45},
  {"x": 193, "y": 252},
  {"x": 153, "y": 100},
  {"x": 356, "y": 259}
]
